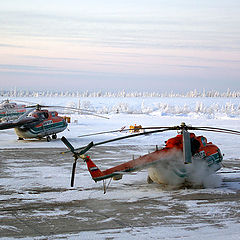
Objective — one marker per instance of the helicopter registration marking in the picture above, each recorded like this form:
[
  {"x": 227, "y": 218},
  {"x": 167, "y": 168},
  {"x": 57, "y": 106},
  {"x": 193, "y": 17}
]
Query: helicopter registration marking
[
  {"x": 201, "y": 154},
  {"x": 48, "y": 122}
]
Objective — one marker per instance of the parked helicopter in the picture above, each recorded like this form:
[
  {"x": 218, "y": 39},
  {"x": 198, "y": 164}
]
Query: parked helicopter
[
  {"x": 189, "y": 149},
  {"x": 40, "y": 123},
  {"x": 11, "y": 110}
]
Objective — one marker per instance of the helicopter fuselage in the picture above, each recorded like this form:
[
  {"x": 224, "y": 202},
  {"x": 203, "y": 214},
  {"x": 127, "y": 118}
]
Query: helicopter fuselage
[{"x": 49, "y": 124}]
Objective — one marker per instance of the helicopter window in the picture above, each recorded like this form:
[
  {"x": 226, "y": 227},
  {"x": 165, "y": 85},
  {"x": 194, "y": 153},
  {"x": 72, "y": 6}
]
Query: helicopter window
[
  {"x": 54, "y": 114},
  {"x": 45, "y": 114},
  {"x": 195, "y": 145}
]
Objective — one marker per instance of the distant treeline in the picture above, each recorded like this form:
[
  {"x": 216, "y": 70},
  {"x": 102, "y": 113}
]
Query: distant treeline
[{"x": 191, "y": 94}]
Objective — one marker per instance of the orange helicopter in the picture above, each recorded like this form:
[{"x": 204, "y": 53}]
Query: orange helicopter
[
  {"x": 189, "y": 149},
  {"x": 40, "y": 123}
]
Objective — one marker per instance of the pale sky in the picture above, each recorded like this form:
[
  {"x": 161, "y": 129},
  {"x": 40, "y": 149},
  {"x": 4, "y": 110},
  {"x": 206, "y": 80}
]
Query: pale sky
[{"x": 143, "y": 45}]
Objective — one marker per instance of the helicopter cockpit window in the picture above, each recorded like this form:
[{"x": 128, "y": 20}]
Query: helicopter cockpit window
[
  {"x": 7, "y": 106},
  {"x": 43, "y": 115}
]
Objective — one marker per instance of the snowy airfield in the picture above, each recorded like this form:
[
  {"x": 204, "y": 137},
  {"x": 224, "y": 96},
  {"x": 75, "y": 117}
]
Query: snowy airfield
[{"x": 37, "y": 201}]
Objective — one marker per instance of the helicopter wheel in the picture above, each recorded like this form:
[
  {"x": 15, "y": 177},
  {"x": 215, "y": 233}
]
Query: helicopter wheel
[
  {"x": 48, "y": 138},
  {"x": 149, "y": 180},
  {"x": 20, "y": 138},
  {"x": 54, "y": 136}
]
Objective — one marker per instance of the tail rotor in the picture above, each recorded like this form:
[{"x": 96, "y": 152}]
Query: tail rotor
[{"x": 76, "y": 156}]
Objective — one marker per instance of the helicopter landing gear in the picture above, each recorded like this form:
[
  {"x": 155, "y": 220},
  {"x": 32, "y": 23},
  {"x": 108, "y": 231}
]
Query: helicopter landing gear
[
  {"x": 20, "y": 138},
  {"x": 54, "y": 136},
  {"x": 48, "y": 138},
  {"x": 149, "y": 180}
]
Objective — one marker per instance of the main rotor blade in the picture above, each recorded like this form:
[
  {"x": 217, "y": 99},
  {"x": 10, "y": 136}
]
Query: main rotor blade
[
  {"x": 88, "y": 112},
  {"x": 7, "y": 125},
  {"x": 220, "y": 131},
  {"x": 99, "y": 133},
  {"x": 18, "y": 123},
  {"x": 96, "y": 115},
  {"x": 213, "y": 129},
  {"x": 72, "y": 108},
  {"x": 35, "y": 106},
  {"x": 120, "y": 130},
  {"x": 21, "y": 101},
  {"x": 129, "y": 136},
  {"x": 56, "y": 106}
]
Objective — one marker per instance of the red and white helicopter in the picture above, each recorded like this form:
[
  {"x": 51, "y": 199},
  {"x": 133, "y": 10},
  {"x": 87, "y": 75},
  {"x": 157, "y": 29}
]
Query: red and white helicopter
[
  {"x": 39, "y": 123},
  {"x": 191, "y": 151}
]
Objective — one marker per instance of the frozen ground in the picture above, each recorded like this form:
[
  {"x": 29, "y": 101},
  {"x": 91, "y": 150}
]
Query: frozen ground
[{"x": 37, "y": 201}]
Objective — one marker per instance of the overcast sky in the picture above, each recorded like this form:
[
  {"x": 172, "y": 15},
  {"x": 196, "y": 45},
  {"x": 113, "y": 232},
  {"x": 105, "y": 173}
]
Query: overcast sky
[{"x": 152, "y": 45}]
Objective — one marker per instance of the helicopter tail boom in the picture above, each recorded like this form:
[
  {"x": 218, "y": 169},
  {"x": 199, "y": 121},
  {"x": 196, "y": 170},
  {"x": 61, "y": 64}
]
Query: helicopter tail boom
[
  {"x": 95, "y": 172},
  {"x": 130, "y": 166}
]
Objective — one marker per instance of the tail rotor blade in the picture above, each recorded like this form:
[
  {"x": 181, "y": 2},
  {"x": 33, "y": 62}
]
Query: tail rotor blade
[
  {"x": 68, "y": 144},
  {"x": 71, "y": 148},
  {"x": 84, "y": 150},
  {"x": 76, "y": 155}
]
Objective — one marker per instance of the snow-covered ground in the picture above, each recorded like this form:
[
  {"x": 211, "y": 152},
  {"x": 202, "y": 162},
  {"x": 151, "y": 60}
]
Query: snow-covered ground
[
  {"x": 214, "y": 112},
  {"x": 217, "y": 112}
]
